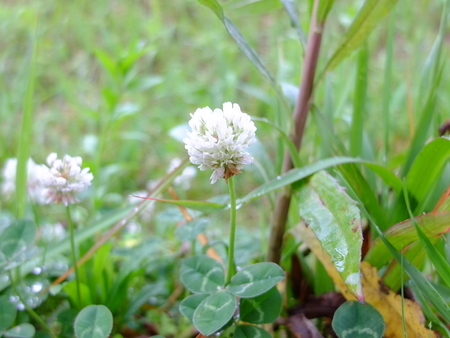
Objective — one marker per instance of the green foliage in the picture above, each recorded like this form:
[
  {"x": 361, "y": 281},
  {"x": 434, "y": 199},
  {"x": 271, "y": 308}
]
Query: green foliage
[
  {"x": 336, "y": 222},
  {"x": 262, "y": 309},
  {"x": 111, "y": 82},
  {"x": 15, "y": 241},
  {"x": 93, "y": 321},
  {"x": 255, "y": 279},
  {"x": 214, "y": 312},
  {"x": 367, "y": 19},
  {"x": 354, "y": 319},
  {"x": 248, "y": 331},
  {"x": 202, "y": 274},
  {"x": 8, "y": 313},
  {"x": 191, "y": 230},
  {"x": 190, "y": 303}
]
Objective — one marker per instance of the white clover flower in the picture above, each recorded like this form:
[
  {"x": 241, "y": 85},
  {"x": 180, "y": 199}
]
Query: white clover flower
[
  {"x": 64, "y": 179},
  {"x": 34, "y": 187},
  {"x": 219, "y": 138}
]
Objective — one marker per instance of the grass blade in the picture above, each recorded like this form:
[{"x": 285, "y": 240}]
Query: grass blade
[
  {"x": 290, "y": 10},
  {"x": 422, "y": 283},
  {"x": 25, "y": 134},
  {"x": 365, "y": 22},
  {"x": 359, "y": 103},
  {"x": 439, "y": 262}
]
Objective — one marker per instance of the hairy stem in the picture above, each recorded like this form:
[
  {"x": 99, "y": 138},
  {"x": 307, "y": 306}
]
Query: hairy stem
[
  {"x": 231, "y": 267},
  {"x": 300, "y": 115}
]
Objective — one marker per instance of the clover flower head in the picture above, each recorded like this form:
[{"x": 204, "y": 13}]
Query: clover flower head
[
  {"x": 218, "y": 140},
  {"x": 64, "y": 179},
  {"x": 34, "y": 187}
]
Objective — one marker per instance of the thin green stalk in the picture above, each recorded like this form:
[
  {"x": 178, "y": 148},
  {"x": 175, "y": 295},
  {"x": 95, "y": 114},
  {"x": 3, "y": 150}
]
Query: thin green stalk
[
  {"x": 26, "y": 130},
  {"x": 403, "y": 298},
  {"x": 30, "y": 311},
  {"x": 387, "y": 83},
  {"x": 74, "y": 256},
  {"x": 231, "y": 267}
]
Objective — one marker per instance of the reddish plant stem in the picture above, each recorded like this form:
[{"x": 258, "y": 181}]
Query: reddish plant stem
[{"x": 300, "y": 115}]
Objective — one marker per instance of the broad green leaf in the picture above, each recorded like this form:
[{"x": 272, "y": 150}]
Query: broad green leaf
[
  {"x": 426, "y": 171},
  {"x": 365, "y": 22},
  {"x": 250, "y": 331},
  {"x": 328, "y": 211},
  {"x": 190, "y": 230},
  {"x": 354, "y": 319},
  {"x": 402, "y": 234},
  {"x": 94, "y": 321},
  {"x": 71, "y": 289},
  {"x": 190, "y": 303},
  {"x": 17, "y": 238},
  {"x": 7, "y": 313},
  {"x": 24, "y": 330},
  {"x": 255, "y": 279},
  {"x": 214, "y": 312},
  {"x": 202, "y": 274},
  {"x": 262, "y": 309},
  {"x": 203, "y": 206}
]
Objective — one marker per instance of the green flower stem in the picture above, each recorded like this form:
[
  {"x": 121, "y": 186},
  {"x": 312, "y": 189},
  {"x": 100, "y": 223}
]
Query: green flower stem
[
  {"x": 74, "y": 256},
  {"x": 231, "y": 267},
  {"x": 30, "y": 311}
]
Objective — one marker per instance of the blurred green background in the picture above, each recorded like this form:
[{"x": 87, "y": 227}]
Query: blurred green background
[{"x": 188, "y": 60}]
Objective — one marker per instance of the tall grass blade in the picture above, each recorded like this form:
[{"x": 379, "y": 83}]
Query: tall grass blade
[
  {"x": 439, "y": 262},
  {"x": 245, "y": 47},
  {"x": 365, "y": 22},
  {"x": 26, "y": 133},
  {"x": 430, "y": 82},
  {"x": 290, "y": 10},
  {"x": 359, "y": 103},
  {"x": 387, "y": 83},
  {"x": 422, "y": 283}
]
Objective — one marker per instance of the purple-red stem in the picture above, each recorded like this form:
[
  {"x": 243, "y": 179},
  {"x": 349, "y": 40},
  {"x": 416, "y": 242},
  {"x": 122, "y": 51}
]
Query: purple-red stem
[{"x": 300, "y": 115}]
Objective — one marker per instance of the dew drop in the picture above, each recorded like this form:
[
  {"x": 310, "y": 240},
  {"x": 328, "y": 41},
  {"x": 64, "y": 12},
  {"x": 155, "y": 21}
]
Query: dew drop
[
  {"x": 37, "y": 270},
  {"x": 36, "y": 287}
]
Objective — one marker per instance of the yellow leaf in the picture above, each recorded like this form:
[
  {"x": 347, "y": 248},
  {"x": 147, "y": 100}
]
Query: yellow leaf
[{"x": 376, "y": 293}]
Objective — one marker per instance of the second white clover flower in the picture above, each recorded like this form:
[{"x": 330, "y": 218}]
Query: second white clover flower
[
  {"x": 219, "y": 140},
  {"x": 64, "y": 179}
]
